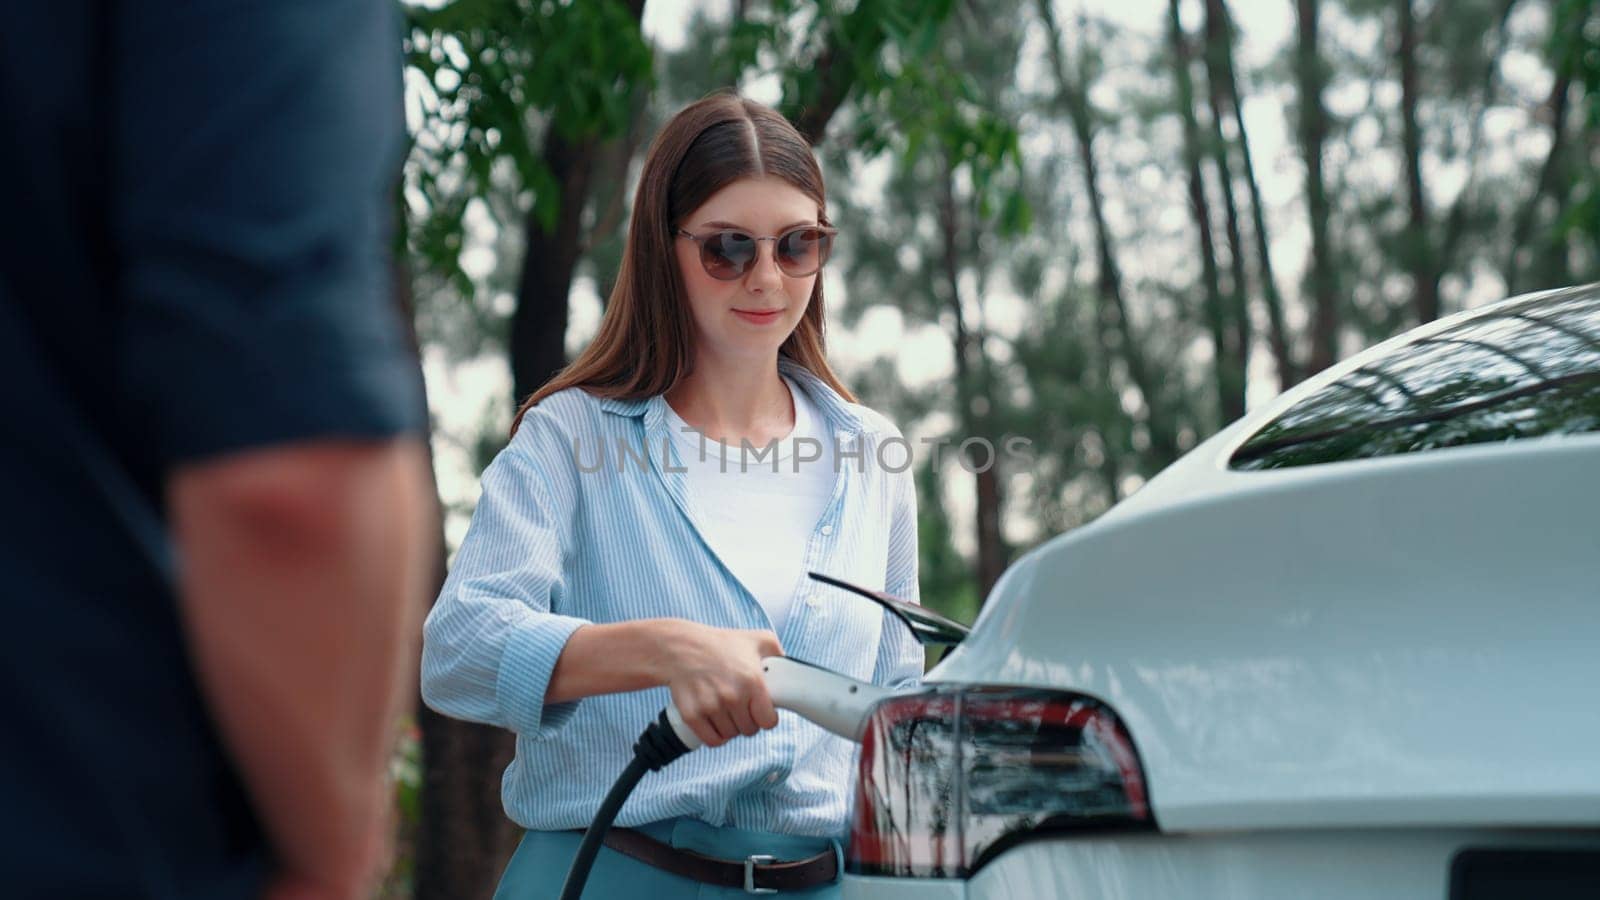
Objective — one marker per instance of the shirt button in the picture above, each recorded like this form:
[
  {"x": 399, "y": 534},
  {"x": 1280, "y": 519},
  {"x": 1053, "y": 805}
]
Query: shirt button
[
  {"x": 827, "y": 529},
  {"x": 814, "y": 603},
  {"x": 773, "y": 778}
]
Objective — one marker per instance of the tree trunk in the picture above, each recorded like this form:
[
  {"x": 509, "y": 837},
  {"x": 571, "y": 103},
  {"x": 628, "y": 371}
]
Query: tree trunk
[
  {"x": 833, "y": 82},
  {"x": 466, "y": 837},
  {"x": 1313, "y": 128},
  {"x": 456, "y": 800},
  {"x": 974, "y": 423},
  {"x": 1219, "y": 28},
  {"x": 539, "y": 323},
  {"x": 1238, "y": 302},
  {"x": 1226, "y": 374},
  {"x": 611, "y": 202},
  {"x": 412, "y": 833},
  {"x": 1113, "y": 310},
  {"x": 1527, "y": 216},
  {"x": 1455, "y": 221},
  {"x": 1418, "y": 240},
  {"x": 833, "y": 73}
]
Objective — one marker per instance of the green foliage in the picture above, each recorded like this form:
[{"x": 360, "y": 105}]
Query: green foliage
[
  {"x": 405, "y": 770},
  {"x": 1574, "y": 48},
  {"x": 946, "y": 579},
  {"x": 500, "y": 75},
  {"x": 932, "y": 88},
  {"x": 920, "y": 86},
  {"x": 1080, "y": 437},
  {"x": 868, "y": 47}
]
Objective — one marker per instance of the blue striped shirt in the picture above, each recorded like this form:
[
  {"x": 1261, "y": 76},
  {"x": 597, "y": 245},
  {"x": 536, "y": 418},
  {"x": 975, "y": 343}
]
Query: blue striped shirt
[{"x": 584, "y": 518}]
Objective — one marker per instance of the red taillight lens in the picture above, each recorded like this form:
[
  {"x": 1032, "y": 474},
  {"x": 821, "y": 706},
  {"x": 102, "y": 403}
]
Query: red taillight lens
[{"x": 951, "y": 776}]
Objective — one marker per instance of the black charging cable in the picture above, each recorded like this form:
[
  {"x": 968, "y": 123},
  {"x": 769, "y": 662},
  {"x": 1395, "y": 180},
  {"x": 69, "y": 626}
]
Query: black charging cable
[{"x": 656, "y": 747}]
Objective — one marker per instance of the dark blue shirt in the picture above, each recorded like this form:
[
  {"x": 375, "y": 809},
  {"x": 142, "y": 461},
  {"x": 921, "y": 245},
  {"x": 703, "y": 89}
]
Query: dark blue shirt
[{"x": 194, "y": 262}]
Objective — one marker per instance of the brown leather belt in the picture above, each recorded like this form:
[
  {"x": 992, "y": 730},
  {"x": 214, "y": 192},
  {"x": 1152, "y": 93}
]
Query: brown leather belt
[{"x": 756, "y": 874}]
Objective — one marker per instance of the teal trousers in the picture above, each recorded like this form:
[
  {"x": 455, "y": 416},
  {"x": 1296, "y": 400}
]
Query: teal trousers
[{"x": 539, "y": 867}]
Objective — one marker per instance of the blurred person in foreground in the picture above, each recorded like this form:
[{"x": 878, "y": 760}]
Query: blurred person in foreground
[{"x": 216, "y": 533}]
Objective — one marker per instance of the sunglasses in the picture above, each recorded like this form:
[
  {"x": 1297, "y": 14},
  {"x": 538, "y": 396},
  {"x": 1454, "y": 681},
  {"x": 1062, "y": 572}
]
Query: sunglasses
[{"x": 728, "y": 254}]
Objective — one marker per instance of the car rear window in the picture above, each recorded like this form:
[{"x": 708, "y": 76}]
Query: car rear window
[{"x": 1524, "y": 370}]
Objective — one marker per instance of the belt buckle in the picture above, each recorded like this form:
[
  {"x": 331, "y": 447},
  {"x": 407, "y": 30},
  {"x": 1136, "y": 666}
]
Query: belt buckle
[{"x": 750, "y": 863}]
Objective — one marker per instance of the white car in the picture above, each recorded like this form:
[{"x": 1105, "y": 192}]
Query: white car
[{"x": 1348, "y": 647}]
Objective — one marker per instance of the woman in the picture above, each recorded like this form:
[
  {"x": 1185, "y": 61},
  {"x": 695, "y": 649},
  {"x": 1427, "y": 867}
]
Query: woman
[{"x": 646, "y": 534}]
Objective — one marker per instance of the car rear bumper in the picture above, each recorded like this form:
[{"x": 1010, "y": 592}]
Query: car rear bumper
[{"x": 1374, "y": 864}]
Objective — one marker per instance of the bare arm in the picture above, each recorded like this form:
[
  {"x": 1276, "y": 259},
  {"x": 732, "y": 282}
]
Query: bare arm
[
  {"x": 714, "y": 673},
  {"x": 303, "y": 576}
]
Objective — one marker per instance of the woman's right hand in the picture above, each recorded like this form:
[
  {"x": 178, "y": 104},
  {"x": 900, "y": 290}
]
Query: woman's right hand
[{"x": 716, "y": 679}]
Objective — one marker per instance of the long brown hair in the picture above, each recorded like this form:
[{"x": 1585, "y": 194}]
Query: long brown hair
[{"x": 645, "y": 344}]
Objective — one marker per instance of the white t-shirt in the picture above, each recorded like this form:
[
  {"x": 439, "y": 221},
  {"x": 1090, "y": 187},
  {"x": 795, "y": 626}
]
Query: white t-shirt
[{"x": 758, "y": 520}]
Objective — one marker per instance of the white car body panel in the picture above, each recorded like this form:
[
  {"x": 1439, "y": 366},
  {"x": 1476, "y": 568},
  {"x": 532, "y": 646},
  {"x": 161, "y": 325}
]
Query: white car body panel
[
  {"x": 1381, "y": 660},
  {"x": 1283, "y": 664},
  {"x": 1375, "y": 864},
  {"x": 1350, "y": 643}
]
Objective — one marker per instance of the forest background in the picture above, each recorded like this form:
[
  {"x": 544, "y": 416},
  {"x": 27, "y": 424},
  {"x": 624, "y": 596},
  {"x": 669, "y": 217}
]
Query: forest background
[{"x": 1108, "y": 226}]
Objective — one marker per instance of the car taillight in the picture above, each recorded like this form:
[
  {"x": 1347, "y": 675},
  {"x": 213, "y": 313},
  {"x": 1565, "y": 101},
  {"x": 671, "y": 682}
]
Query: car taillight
[{"x": 952, "y": 776}]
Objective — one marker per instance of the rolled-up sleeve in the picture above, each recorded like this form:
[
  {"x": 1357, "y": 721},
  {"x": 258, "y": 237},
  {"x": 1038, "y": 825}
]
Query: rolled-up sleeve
[
  {"x": 493, "y": 636},
  {"x": 900, "y": 656},
  {"x": 255, "y": 152}
]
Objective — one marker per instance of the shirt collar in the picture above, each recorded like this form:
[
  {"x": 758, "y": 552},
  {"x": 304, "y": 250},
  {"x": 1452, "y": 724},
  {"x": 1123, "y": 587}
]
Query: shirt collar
[
  {"x": 622, "y": 406},
  {"x": 834, "y": 407}
]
